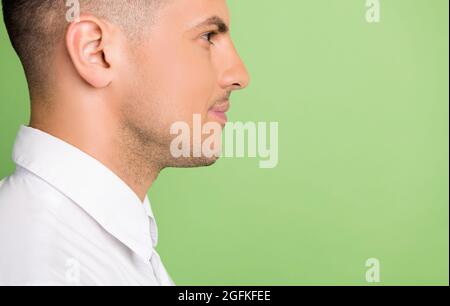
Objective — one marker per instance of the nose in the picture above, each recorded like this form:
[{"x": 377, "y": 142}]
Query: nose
[{"x": 235, "y": 75}]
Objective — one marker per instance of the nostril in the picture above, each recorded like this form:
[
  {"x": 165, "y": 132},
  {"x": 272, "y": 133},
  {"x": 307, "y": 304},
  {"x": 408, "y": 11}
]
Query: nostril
[{"x": 237, "y": 86}]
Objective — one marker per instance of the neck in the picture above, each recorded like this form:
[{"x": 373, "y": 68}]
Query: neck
[{"x": 94, "y": 132}]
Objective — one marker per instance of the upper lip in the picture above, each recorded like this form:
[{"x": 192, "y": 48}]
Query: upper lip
[{"x": 221, "y": 107}]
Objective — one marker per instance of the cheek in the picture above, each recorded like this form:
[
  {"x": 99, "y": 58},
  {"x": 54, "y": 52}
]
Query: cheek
[
  {"x": 188, "y": 81},
  {"x": 172, "y": 84}
]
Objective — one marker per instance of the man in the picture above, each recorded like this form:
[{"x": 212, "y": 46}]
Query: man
[{"x": 105, "y": 88}]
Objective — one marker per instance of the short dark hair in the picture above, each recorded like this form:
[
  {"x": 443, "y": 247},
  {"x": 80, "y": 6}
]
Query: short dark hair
[{"x": 35, "y": 26}]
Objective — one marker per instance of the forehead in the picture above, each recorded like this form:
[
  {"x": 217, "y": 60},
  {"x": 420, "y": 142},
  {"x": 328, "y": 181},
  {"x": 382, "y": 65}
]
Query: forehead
[{"x": 187, "y": 14}]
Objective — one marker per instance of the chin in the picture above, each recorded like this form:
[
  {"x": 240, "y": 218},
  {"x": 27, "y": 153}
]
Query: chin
[{"x": 194, "y": 162}]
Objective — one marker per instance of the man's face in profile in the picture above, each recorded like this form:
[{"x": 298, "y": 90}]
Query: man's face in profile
[
  {"x": 185, "y": 64},
  {"x": 115, "y": 79}
]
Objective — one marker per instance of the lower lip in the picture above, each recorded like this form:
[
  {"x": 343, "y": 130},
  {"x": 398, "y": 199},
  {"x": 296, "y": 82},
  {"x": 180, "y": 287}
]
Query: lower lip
[{"x": 221, "y": 116}]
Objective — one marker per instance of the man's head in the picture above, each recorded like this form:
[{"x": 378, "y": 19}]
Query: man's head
[{"x": 132, "y": 68}]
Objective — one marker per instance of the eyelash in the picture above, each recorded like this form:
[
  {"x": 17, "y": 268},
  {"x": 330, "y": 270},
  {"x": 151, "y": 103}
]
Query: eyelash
[{"x": 208, "y": 36}]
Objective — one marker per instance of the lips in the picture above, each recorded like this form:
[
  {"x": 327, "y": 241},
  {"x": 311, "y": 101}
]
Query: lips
[
  {"x": 219, "y": 111},
  {"x": 221, "y": 108}
]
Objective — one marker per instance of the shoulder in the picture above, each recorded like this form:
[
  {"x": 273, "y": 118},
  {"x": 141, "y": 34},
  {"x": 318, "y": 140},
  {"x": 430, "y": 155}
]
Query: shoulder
[
  {"x": 24, "y": 195},
  {"x": 25, "y": 202},
  {"x": 46, "y": 238},
  {"x": 36, "y": 231}
]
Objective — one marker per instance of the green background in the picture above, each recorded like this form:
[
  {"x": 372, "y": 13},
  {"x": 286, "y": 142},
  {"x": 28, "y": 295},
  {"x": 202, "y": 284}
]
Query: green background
[{"x": 363, "y": 155}]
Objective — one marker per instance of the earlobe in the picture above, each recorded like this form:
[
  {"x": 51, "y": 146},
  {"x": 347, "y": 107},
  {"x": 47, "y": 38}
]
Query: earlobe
[{"x": 85, "y": 39}]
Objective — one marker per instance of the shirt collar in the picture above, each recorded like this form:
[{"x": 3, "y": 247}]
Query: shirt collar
[{"x": 91, "y": 185}]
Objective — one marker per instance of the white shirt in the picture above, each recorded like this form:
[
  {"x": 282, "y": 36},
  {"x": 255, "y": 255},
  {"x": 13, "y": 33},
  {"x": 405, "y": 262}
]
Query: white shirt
[{"x": 66, "y": 219}]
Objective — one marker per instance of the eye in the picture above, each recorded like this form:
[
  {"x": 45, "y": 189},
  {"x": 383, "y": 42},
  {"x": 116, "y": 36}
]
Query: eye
[{"x": 208, "y": 36}]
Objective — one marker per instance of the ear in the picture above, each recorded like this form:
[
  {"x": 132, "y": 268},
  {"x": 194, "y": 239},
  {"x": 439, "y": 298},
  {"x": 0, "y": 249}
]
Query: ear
[{"x": 85, "y": 43}]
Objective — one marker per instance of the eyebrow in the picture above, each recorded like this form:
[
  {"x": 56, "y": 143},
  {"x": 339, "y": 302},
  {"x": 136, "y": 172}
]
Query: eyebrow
[{"x": 217, "y": 21}]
